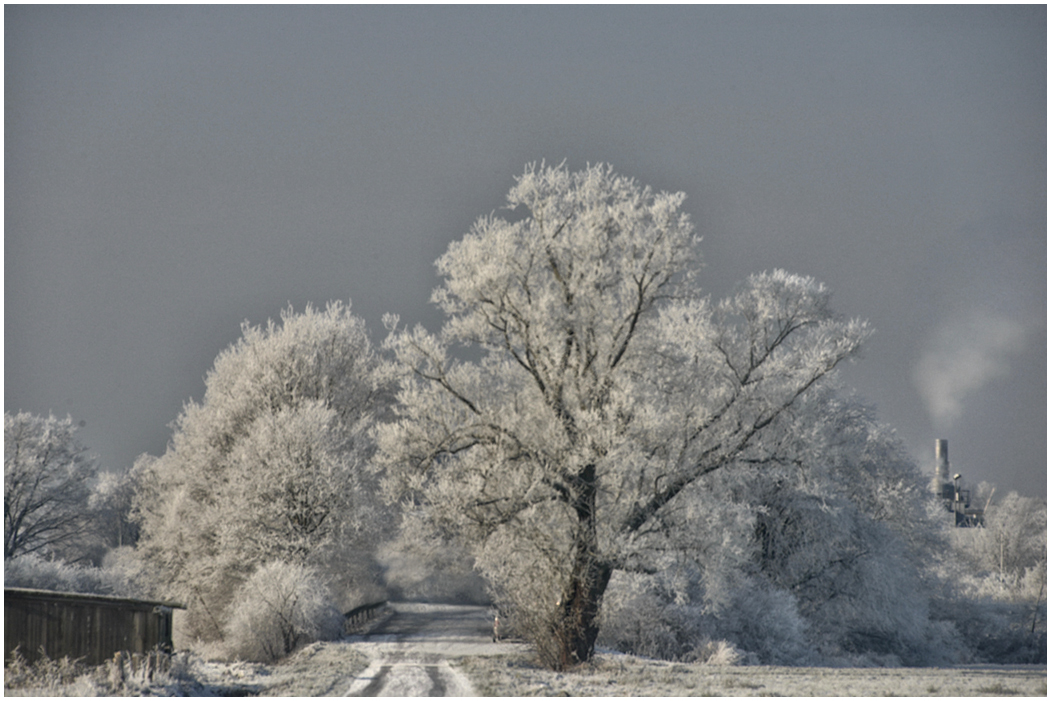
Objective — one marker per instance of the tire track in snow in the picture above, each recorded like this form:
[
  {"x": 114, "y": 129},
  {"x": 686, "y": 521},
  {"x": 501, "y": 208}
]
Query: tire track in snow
[
  {"x": 410, "y": 679},
  {"x": 410, "y": 650}
]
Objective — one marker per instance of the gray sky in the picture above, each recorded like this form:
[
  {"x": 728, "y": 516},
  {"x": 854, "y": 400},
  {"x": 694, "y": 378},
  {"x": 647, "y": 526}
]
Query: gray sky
[{"x": 172, "y": 171}]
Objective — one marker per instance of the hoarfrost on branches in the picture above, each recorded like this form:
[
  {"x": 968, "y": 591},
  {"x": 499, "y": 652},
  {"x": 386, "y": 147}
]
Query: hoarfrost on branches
[
  {"x": 279, "y": 608},
  {"x": 269, "y": 467},
  {"x": 47, "y": 478},
  {"x": 607, "y": 387}
]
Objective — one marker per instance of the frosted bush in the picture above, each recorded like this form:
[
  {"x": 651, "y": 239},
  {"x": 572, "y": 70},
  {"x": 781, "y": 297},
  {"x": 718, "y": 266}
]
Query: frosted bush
[
  {"x": 280, "y": 607},
  {"x": 31, "y": 571},
  {"x": 641, "y": 618},
  {"x": 720, "y": 653},
  {"x": 996, "y": 632},
  {"x": 760, "y": 619},
  {"x": 45, "y": 675}
]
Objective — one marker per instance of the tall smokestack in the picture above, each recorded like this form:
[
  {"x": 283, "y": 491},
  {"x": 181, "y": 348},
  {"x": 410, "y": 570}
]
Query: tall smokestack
[{"x": 941, "y": 484}]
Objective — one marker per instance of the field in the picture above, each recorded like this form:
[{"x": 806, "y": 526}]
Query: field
[
  {"x": 623, "y": 675},
  {"x": 434, "y": 636},
  {"x": 328, "y": 669}
]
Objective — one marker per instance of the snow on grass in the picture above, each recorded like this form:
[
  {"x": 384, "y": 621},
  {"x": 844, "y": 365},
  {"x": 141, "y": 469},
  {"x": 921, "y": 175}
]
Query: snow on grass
[
  {"x": 329, "y": 669},
  {"x": 624, "y": 675},
  {"x": 320, "y": 669}
]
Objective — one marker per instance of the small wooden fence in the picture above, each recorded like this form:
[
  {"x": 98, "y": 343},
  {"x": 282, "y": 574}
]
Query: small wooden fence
[
  {"x": 361, "y": 614},
  {"x": 90, "y": 627}
]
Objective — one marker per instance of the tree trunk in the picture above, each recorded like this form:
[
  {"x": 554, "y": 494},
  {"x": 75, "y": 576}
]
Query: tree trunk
[
  {"x": 576, "y": 621},
  {"x": 575, "y": 626}
]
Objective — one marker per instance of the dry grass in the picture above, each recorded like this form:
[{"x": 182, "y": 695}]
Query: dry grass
[
  {"x": 321, "y": 669},
  {"x": 623, "y": 675}
]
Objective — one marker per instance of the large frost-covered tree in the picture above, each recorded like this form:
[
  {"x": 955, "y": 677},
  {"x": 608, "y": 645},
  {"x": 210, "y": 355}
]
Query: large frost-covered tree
[
  {"x": 606, "y": 387},
  {"x": 47, "y": 478},
  {"x": 269, "y": 466}
]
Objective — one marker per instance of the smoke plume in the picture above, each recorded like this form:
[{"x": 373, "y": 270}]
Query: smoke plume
[{"x": 964, "y": 354}]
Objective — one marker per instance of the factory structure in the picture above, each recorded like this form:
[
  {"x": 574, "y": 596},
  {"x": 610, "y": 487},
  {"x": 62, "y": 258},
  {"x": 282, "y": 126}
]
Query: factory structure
[{"x": 950, "y": 489}]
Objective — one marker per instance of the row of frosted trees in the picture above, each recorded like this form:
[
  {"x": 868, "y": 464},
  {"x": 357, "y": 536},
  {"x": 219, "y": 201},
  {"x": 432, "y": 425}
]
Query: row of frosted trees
[{"x": 623, "y": 461}]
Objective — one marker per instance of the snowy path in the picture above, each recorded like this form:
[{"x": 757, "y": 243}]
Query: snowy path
[
  {"x": 415, "y": 678},
  {"x": 409, "y": 651}
]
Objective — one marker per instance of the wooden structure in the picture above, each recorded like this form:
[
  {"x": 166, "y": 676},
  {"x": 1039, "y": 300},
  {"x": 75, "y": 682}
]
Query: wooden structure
[
  {"x": 86, "y": 626},
  {"x": 362, "y": 614}
]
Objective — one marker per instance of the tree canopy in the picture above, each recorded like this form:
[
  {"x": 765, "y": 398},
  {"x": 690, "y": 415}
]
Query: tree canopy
[
  {"x": 47, "y": 485},
  {"x": 269, "y": 466},
  {"x": 606, "y": 387}
]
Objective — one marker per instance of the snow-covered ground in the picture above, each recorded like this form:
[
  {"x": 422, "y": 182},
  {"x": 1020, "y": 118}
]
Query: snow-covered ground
[
  {"x": 624, "y": 675},
  {"x": 410, "y": 650},
  {"x": 440, "y": 650}
]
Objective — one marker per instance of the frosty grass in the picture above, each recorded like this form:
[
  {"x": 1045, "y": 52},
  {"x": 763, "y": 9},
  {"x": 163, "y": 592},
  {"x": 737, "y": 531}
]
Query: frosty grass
[{"x": 623, "y": 675}]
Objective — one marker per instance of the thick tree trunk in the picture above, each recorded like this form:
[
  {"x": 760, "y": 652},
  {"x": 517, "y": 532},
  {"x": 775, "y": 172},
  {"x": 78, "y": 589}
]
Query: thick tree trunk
[
  {"x": 575, "y": 624},
  {"x": 576, "y": 621}
]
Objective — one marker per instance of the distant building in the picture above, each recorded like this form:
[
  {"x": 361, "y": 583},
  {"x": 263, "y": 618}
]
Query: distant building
[{"x": 951, "y": 491}]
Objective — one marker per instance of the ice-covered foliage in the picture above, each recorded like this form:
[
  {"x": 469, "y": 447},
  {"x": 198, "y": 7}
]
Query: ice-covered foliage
[
  {"x": 815, "y": 555},
  {"x": 607, "y": 390},
  {"x": 418, "y": 565},
  {"x": 994, "y": 583},
  {"x": 32, "y": 571},
  {"x": 280, "y": 607},
  {"x": 1011, "y": 547},
  {"x": 111, "y": 504},
  {"x": 153, "y": 674},
  {"x": 269, "y": 466},
  {"x": 47, "y": 485}
]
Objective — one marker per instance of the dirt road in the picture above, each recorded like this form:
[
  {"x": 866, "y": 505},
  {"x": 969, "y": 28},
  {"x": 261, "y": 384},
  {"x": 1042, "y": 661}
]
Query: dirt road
[{"x": 409, "y": 651}]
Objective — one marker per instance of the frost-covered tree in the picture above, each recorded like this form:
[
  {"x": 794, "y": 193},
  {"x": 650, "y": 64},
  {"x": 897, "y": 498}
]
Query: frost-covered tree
[
  {"x": 269, "y": 466},
  {"x": 1014, "y": 540},
  {"x": 47, "y": 484},
  {"x": 996, "y": 582},
  {"x": 1006, "y": 558},
  {"x": 606, "y": 388},
  {"x": 111, "y": 505}
]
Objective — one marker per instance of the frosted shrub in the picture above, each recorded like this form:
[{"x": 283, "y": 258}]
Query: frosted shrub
[
  {"x": 281, "y": 606},
  {"x": 734, "y": 620},
  {"x": 721, "y": 654},
  {"x": 640, "y": 618},
  {"x": 519, "y": 573},
  {"x": 997, "y": 632},
  {"x": 44, "y": 675},
  {"x": 759, "y": 619},
  {"x": 31, "y": 571}
]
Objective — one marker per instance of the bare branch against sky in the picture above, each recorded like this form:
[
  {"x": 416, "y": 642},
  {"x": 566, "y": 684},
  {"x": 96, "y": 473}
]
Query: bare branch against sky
[{"x": 172, "y": 171}]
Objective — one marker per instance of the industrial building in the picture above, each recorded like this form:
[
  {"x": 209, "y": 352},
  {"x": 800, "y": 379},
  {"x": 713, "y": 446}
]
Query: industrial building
[{"x": 952, "y": 491}]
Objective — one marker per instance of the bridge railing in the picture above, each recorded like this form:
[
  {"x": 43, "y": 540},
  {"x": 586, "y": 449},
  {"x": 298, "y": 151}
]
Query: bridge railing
[{"x": 362, "y": 614}]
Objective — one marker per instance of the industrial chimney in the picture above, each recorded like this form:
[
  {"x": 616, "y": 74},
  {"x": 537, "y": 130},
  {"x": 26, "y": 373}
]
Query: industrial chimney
[{"x": 941, "y": 484}]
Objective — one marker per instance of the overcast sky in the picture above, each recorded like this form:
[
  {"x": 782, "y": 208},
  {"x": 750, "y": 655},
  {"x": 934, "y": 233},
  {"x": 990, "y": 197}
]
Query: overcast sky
[{"x": 172, "y": 171}]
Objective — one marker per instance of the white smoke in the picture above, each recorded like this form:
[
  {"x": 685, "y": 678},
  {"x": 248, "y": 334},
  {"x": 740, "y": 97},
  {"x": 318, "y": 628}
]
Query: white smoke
[{"x": 964, "y": 354}]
